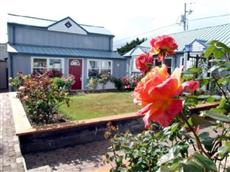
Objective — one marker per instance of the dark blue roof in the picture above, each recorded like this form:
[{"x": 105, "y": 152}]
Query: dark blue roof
[{"x": 56, "y": 51}]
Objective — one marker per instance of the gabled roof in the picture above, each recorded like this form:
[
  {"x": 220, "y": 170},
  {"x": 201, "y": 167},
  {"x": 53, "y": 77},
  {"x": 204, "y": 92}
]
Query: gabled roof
[
  {"x": 54, "y": 51},
  {"x": 203, "y": 35},
  {"x": 136, "y": 51},
  {"x": 45, "y": 23},
  {"x": 202, "y": 45},
  {"x": 67, "y": 25}
]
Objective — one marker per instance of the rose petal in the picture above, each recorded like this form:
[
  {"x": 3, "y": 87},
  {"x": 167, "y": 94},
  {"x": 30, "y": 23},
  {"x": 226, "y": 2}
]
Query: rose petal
[
  {"x": 165, "y": 117},
  {"x": 145, "y": 109},
  {"x": 190, "y": 86}
]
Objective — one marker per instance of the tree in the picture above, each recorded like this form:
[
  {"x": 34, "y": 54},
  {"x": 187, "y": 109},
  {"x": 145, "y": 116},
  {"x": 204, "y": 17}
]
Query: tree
[{"x": 129, "y": 46}]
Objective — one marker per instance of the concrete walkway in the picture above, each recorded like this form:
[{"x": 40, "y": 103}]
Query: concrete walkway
[{"x": 10, "y": 156}]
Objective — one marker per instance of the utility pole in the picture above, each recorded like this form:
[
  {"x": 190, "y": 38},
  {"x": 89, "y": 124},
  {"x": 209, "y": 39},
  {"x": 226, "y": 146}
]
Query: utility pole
[{"x": 184, "y": 18}]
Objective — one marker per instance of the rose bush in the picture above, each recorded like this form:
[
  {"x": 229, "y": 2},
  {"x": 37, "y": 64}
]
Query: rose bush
[
  {"x": 41, "y": 94},
  {"x": 174, "y": 140}
]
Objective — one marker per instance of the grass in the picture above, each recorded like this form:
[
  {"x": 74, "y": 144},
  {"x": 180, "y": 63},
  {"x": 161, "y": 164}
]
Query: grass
[{"x": 95, "y": 105}]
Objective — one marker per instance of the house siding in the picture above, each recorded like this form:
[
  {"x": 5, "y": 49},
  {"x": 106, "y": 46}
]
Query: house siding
[
  {"x": 119, "y": 68},
  {"x": 20, "y": 63},
  {"x": 27, "y": 42},
  {"x": 42, "y": 37}
]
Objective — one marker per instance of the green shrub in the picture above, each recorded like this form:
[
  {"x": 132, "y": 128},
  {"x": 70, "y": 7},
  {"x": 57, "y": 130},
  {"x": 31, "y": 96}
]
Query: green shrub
[{"x": 117, "y": 83}]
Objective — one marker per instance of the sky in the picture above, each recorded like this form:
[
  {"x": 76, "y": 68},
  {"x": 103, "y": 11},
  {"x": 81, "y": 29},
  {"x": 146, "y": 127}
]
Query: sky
[{"x": 126, "y": 19}]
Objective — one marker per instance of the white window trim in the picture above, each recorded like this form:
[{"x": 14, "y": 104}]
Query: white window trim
[
  {"x": 88, "y": 65},
  {"x": 47, "y": 62}
]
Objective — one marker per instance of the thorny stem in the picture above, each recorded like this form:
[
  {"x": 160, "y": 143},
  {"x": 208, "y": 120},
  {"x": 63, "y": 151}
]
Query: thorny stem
[
  {"x": 199, "y": 145},
  {"x": 221, "y": 89}
]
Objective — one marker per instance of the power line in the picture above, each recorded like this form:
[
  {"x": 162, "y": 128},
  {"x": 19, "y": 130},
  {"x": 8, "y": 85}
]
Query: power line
[
  {"x": 147, "y": 32},
  {"x": 202, "y": 18}
]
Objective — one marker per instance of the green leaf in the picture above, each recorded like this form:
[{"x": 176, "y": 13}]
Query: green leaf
[
  {"x": 217, "y": 116},
  {"x": 173, "y": 152},
  {"x": 213, "y": 98},
  {"x": 204, "y": 161},
  {"x": 228, "y": 169},
  {"x": 208, "y": 52},
  {"x": 194, "y": 70},
  {"x": 213, "y": 68},
  {"x": 206, "y": 140},
  {"x": 224, "y": 149},
  {"x": 216, "y": 48},
  {"x": 164, "y": 168},
  {"x": 198, "y": 120},
  {"x": 218, "y": 54},
  {"x": 204, "y": 81},
  {"x": 192, "y": 166}
]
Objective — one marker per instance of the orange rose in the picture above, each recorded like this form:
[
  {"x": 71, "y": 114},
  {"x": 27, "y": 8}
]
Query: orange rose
[
  {"x": 163, "y": 46},
  {"x": 158, "y": 93}
]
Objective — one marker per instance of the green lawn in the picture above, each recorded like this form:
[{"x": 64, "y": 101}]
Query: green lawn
[{"x": 97, "y": 105}]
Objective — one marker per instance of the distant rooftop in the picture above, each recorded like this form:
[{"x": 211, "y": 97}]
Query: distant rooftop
[
  {"x": 206, "y": 34},
  {"x": 42, "y": 22}
]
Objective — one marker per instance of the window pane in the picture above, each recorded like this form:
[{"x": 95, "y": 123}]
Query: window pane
[
  {"x": 106, "y": 64},
  {"x": 168, "y": 62},
  {"x": 93, "y": 72},
  {"x": 55, "y": 64},
  {"x": 94, "y": 65},
  {"x": 39, "y": 63}
]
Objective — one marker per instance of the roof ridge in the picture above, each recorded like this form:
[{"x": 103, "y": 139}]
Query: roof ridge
[
  {"x": 91, "y": 25},
  {"x": 31, "y": 17},
  {"x": 199, "y": 29},
  {"x": 45, "y": 19}
]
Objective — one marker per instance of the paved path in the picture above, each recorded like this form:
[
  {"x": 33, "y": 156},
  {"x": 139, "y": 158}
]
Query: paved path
[
  {"x": 10, "y": 155},
  {"x": 86, "y": 158}
]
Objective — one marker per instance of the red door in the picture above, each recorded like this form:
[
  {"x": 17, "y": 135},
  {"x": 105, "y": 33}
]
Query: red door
[{"x": 75, "y": 69}]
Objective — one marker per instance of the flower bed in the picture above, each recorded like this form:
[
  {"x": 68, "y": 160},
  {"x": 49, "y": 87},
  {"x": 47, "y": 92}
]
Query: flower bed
[{"x": 53, "y": 136}]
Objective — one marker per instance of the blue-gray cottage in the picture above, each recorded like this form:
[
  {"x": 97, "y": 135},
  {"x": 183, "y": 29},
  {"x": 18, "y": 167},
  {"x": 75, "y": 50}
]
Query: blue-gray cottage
[
  {"x": 84, "y": 51},
  {"x": 191, "y": 43}
]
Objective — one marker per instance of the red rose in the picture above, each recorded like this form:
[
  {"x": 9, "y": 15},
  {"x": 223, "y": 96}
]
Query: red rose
[
  {"x": 163, "y": 46},
  {"x": 144, "y": 62}
]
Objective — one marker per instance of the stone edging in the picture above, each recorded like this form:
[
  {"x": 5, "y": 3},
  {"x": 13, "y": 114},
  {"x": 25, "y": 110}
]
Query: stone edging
[{"x": 21, "y": 121}]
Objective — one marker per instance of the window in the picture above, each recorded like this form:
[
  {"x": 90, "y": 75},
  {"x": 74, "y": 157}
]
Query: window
[
  {"x": 98, "y": 67},
  {"x": 39, "y": 65},
  {"x": 168, "y": 62},
  {"x": 55, "y": 64}
]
